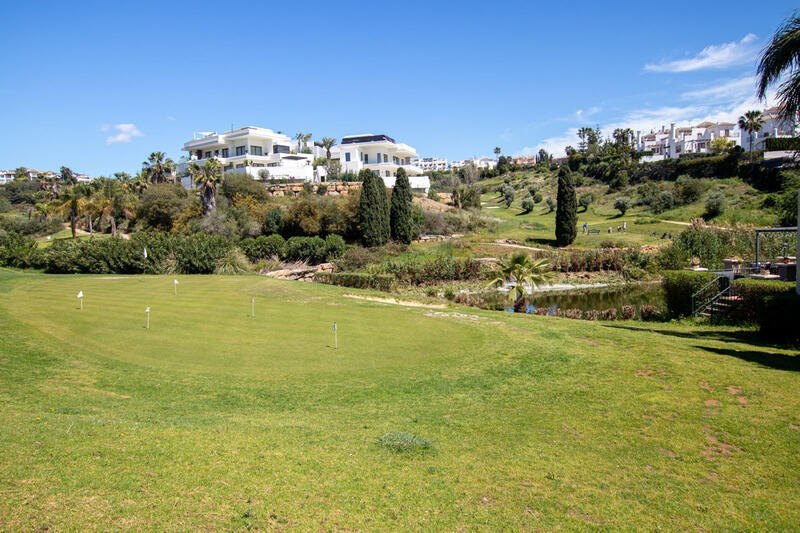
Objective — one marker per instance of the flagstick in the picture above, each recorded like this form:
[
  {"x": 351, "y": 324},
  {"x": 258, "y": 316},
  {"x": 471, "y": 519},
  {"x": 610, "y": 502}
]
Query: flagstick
[
  {"x": 147, "y": 312},
  {"x": 335, "y": 337},
  {"x": 252, "y": 307}
]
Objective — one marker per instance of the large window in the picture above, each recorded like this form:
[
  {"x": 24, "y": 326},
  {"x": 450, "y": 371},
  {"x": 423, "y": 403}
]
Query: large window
[
  {"x": 366, "y": 158},
  {"x": 255, "y": 150},
  {"x": 347, "y": 156},
  {"x": 225, "y": 152},
  {"x": 207, "y": 155},
  {"x": 241, "y": 150},
  {"x": 385, "y": 158}
]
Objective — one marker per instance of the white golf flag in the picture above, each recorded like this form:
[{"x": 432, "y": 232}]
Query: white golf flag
[
  {"x": 334, "y": 326},
  {"x": 147, "y": 310},
  {"x": 176, "y": 281},
  {"x": 144, "y": 253},
  {"x": 80, "y": 294}
]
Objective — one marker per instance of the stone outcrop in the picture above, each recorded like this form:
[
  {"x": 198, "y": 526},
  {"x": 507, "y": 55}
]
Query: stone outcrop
[
  {"x": 300, "y": 274},
  {"x": 333, "y": 188}
]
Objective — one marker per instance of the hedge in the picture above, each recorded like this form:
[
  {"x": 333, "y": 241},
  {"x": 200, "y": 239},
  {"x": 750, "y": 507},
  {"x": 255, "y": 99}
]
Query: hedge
[
  {"x": 357, "y": 280},
  {"x": 777, "y": 316},
  {"x": 782, "y": 143},
  {"x": 752, "y": 292},
  {"x": 679, "y": 285}
]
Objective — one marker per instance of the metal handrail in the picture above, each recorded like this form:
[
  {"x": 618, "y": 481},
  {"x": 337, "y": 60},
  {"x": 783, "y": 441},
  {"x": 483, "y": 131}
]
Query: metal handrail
[
  {"x": 713, "y": 299},
  {"x": 699, "y": 291}
]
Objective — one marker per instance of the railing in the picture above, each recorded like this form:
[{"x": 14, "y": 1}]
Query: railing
[{"x": 709, "y": 293}]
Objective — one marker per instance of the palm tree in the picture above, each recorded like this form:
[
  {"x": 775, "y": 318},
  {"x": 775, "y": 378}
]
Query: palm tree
[
  {"x": 497, "y": 152},
  {"x": 328, "y": 143},
  {"x": 72, "y": 204},
  {"x": 782, "y": 56},
  {"x": 207, "y": 177},
  {"x": 306, "y": 138},
  {"x": 299, "y": 137},
  {"x": 110, "y": 201},
  {"x": 751, "y": 123},
  {"x": 158, "y": 168},
  {"x": 518, "y": 271}
]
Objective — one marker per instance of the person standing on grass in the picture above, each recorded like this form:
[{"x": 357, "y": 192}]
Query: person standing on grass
[
  {"x": 625, "y": 226},
  {"x": 584, "y": 227}
]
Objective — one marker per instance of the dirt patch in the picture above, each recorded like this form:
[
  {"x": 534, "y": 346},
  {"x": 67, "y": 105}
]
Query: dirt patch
[
  {"x": 705, "y": 386},
  {"x": 588, "y": 341},
  {"x": 796, "y": 428},
  {"x": 643, "y": 373},
  {"x": 668, "y": 453},
  {"x": 734, "y": 390},
  {"x": 717, "y": 447},
  {"x": 713, "y": 403},
  {"x": 395, "y": 301},
  {"x": 742, "y": 400}
]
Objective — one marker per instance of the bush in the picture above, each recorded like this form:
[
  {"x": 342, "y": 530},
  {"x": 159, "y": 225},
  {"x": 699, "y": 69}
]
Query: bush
[
  {"x": 161, "y": 205},
  {"x": 264, "y": 247},
  {"x": 688, "y": 189},
  {"x": 777, "y": 315},
  {"x": 241, "y": 184},
  {"x": 628, "y": 312},
  {"x": 334, "y": 247},
  {"x": 586, "y": 200},
  {"x": 18, "y": 251},
  {"x": 679, "y": 286},
  {"x": 672, "y": 257},
  {"x": 649, "y": 313},
  {"x": 609, "y": 314},
  {"x": 311, "y": 249},
  {"x": 716, "y": 204},
  {"x": 592, "y": 314},
  {"x": 357, "y": 280},
  {"x": 575, "y": 314},
  {"x": 232, "y": 263},
  {"x": 420, "y": 272},
  {"x": 664, "y": 202},
  {"x": 774, "y": 144},
  {"x": 752, "y": 292},
  {"x": 528, "y": 204},
  {"x": 5, "y": 205}
]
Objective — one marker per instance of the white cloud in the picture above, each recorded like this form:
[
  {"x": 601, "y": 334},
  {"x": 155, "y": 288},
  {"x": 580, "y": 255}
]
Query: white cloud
[
  {"x": 712, "y": 56},
  {"x": 724, "y": 91},
  {"x": 553, "y": 145},
  {"x": 581, "y": 114},
  {"x": 126, "y": 133}
]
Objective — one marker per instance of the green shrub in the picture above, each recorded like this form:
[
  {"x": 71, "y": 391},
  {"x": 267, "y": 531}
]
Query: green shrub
[
  {"x": 422, "y": 271},
  {"x": 357, "y": 280},
  {"x": 18, "y": 251},
  {"x": 777, "y": 316},
  {"x": 679, "y": 286},
  {"x": 311, "y": 249},
  {"x": 264, "y": 247},
  {"x": 334, "y": 247},
  {"x": 751, "y": 293},
  {"x": 528, "y": 204},
  {"x": 716, "y": 204},
  {"x": 672, "y": 257},
  {"x": 782, "y": 144},
  {"x": 622, "y": 204},
  {"x": 232, "y": 263}
]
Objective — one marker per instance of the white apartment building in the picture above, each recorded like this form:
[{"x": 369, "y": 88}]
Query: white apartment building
[
  {"x": 381, "y": 154},
  {"x": 251, "y": 150},
  {"x": 6, "y": 176},
  {"x": 772, "y": 125},
  {"x": 479, "y": 163},
  {"x": 431, "y": 163},
  {"x": 670, "y": 143}
]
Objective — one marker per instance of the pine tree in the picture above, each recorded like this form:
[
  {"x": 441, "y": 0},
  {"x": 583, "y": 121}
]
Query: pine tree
[
  {"x": 373, "y": 209},
  {"x": 400, "y": 213},
  {"x": 566, "y": 208}
]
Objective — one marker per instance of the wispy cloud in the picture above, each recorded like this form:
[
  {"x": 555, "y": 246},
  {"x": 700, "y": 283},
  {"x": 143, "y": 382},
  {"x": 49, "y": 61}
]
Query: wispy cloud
[
  {"x": 724, "y": 90},
  {"x": 553, "y": 145},
  {"x": 584, "y": 114},
  {"x": 126, "y": 132},
  {"x": 715, "y": 56}
]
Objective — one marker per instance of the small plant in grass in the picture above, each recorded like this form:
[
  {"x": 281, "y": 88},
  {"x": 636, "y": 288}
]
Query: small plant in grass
[
  {"x": 402, "y": 442},
  {"x": 592, "y": 314},
  {"x": 628, "y": 312},
  {"x": 449, "y": 294},
  {"x": 609, "y": 314},
  {"x": 232, "y": 263}
]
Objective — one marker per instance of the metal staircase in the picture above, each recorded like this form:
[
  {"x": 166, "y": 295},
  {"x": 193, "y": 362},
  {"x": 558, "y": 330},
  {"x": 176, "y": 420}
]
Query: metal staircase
[{"x": 715, "y": 298}]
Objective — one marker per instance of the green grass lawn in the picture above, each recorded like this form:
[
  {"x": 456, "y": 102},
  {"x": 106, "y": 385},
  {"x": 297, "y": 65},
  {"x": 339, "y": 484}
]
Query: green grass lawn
[
  {"x": 67, "y": 234},
  {"x": 217, "y": 420}
]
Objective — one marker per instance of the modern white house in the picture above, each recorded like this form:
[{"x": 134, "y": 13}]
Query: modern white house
[
  {"x": 381, "y": 154},
  {"x": 6, "y": 176},
  {"x": 251, "y": 150}
]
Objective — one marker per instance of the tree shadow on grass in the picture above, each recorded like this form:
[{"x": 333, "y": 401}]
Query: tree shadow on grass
[
  {"x": 542, "y": 241},
  {"x": 764, "y": 357},
  {"x": 777, "y": 361}
]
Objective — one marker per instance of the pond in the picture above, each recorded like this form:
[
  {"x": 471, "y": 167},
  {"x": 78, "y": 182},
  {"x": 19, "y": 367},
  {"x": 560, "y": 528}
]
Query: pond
[{"x": 587, "y": 299}]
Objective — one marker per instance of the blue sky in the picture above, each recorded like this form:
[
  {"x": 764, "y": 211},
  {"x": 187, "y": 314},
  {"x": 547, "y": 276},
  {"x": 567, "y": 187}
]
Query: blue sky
[{"x": 97, "y": 86}]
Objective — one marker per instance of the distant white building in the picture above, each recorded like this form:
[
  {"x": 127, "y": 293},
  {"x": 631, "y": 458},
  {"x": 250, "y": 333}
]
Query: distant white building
[
  {"x": 381, "y": 154},
  {"x": 670, "y": 143},
  {"x": 251, "y": 150},
  {"x": 479, "y": 163},
  {"x": 428, "y": 164},
  {"x": 772, "y": 125}
]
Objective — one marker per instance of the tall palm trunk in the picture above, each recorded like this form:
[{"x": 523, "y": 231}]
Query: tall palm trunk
[
  {"x": 73, "y": 224},
  {"x": 751, "y": 147},
  {"x": 113, "y": 226},
  {"x": 209, "y": 201}
]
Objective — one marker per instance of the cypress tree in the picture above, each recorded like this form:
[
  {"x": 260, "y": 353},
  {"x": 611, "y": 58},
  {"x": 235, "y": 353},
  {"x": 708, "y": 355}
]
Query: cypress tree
[
  {"x": 373, "y": 209},
  {"x": 400, "y": 214},
  {"x": 566, "y": 208}
]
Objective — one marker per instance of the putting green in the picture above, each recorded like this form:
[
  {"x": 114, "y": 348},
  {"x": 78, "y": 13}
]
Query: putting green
[{"x": 208, "y": 326}]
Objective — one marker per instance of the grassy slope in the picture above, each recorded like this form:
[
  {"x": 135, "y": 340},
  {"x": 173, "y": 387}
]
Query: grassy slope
[{"x": 217, "y": 420}]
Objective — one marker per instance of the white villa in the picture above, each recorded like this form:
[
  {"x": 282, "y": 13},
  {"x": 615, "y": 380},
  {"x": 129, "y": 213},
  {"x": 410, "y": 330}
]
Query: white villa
[
  {"x": 479, "y": 163},
  {"x": 381, "y": 154},
  {"x": 250, "y": 150}
]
